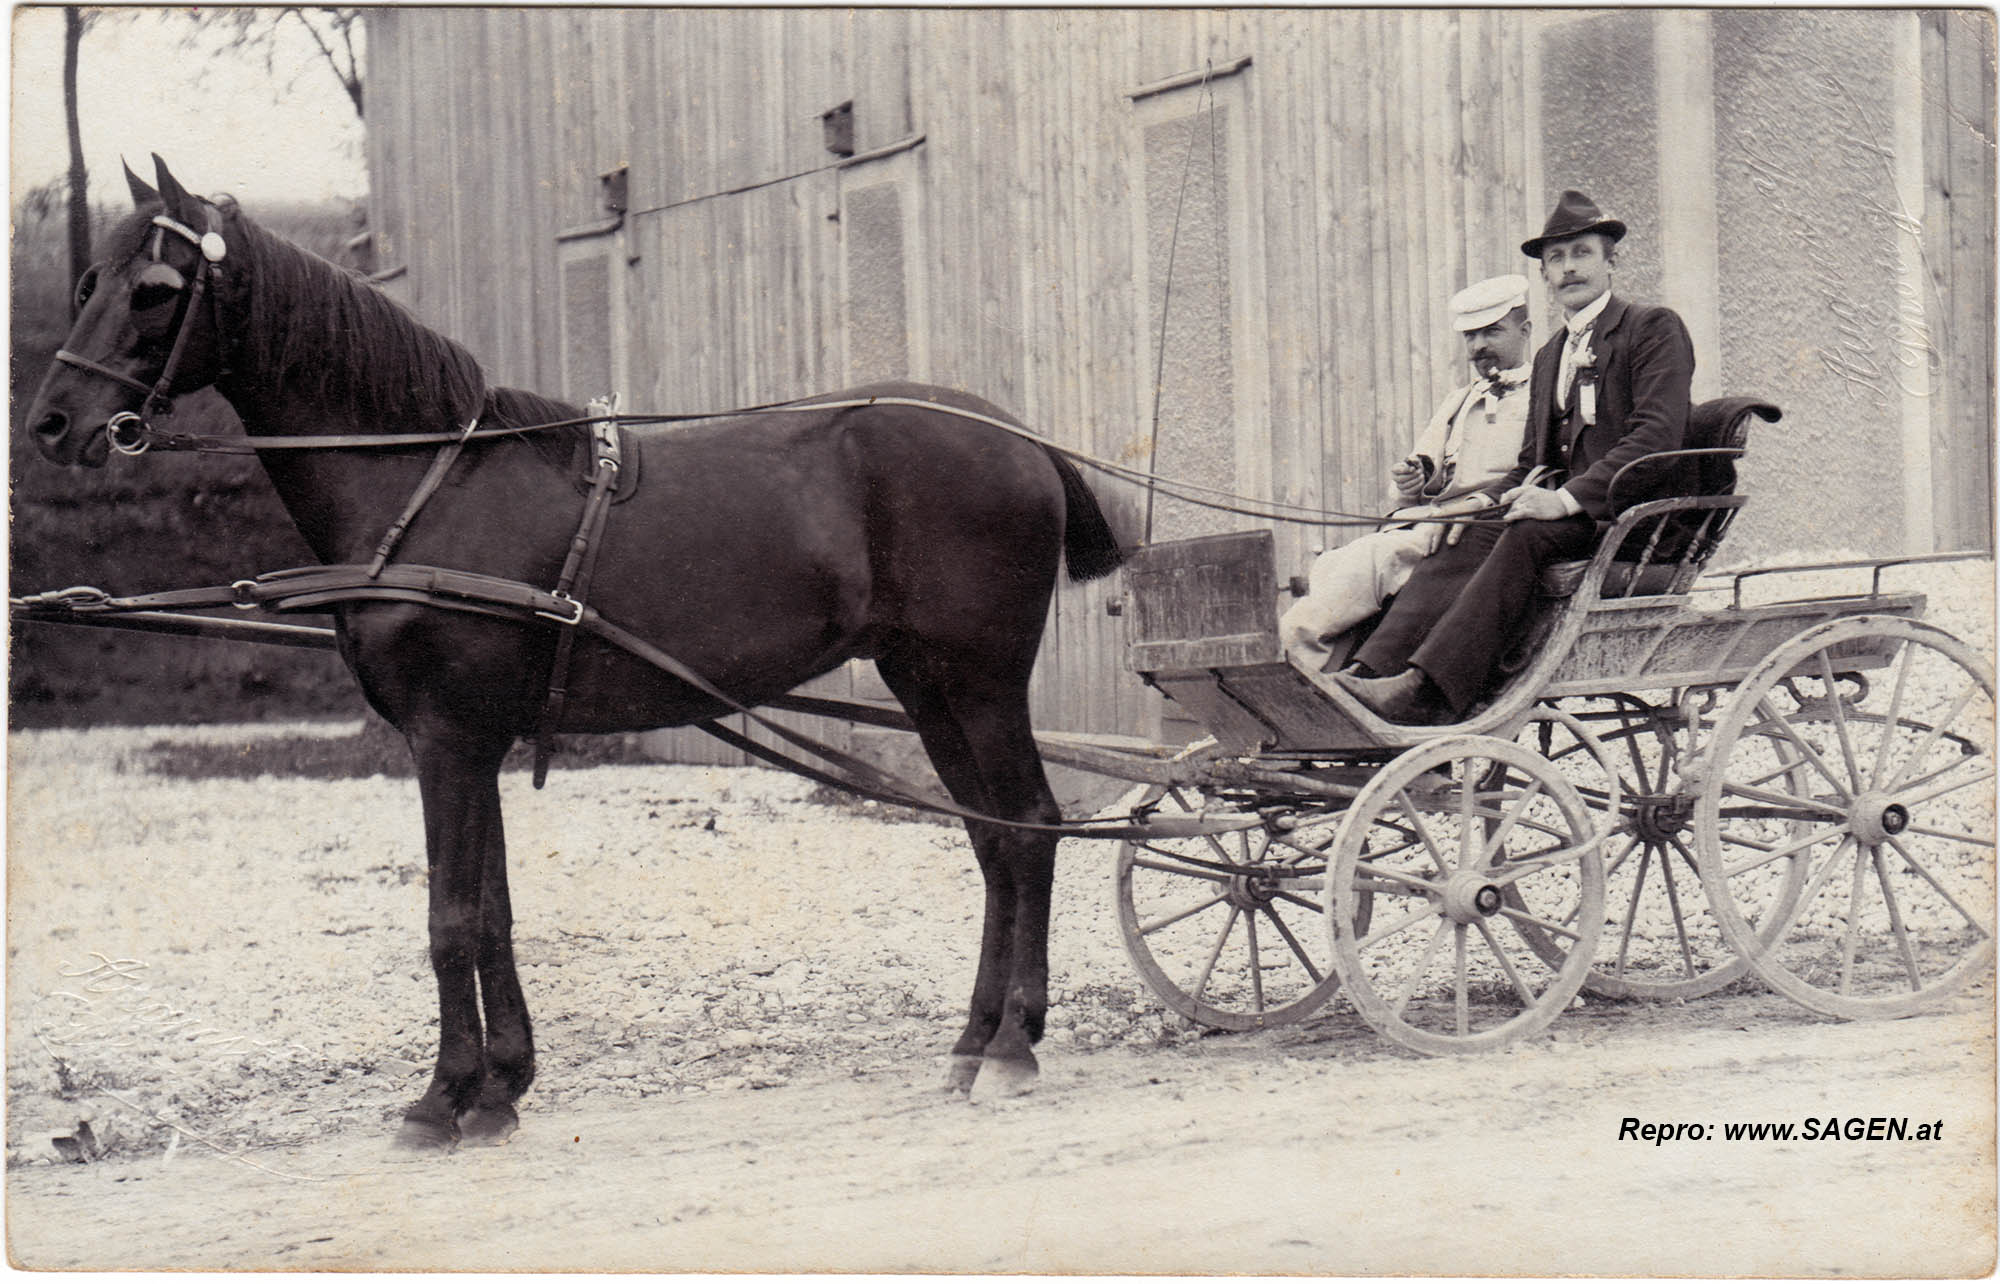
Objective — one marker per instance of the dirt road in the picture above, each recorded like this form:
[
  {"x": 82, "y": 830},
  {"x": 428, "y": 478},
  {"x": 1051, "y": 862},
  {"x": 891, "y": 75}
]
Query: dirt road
[
  {"x": 1308, "y": 1151},
  {"x": 740, "y": 1047}
]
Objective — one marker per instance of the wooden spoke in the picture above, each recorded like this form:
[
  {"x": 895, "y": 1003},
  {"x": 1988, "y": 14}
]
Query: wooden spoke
[
  {"x": 1984, "y": 928},
  {"x": 1439, "y": 977},
  {"x": 1422, "y": 969},
  {"x": 1881, "y": 941},
  {"x": 1215, "y": 954},
  {"x": 1189, "y": 911},
  {"x": 1881, "y": 764},
  {"x": 1153, "y": 925},
  {"x": 1831, "y": 696},
  {"x": 1291, "y": 941},
  {"x": 1896, "y": 928},
  {"x": 1810, "y": 755}
]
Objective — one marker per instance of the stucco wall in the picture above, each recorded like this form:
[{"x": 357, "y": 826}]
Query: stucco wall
[
  {"x": 1600, "y": 135},
  {"x": 1807, "y": 271}
]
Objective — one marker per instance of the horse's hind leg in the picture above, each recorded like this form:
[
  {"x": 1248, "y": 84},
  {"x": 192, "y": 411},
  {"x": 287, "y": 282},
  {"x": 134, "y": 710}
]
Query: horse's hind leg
[
  {"x": 462, "y": 836},
  {"x": 976, "y": 730}
]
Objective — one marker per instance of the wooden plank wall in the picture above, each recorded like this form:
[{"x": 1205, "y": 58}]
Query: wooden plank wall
[
  {"x": 1958, "y": 87},
  {"x": 1385, "y": 150}
]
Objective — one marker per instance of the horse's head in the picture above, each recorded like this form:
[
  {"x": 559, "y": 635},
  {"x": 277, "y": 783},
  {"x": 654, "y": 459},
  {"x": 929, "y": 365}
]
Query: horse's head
[{"x": 146, "y": 329}]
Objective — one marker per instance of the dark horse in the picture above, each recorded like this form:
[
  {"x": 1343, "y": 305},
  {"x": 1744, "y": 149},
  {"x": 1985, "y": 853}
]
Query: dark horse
[{"x": 760, "y": 551}]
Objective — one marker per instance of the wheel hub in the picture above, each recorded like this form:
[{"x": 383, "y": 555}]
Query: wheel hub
[
  {"x": 1253, "y": 890},
  {"x": 1470, "y": 896},
  {"x": 1875, "y": 817},
  {"x": 1656, "y": 819}
]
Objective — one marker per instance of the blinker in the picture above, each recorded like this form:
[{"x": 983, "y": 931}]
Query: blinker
[{"x": 160, "y": 274}]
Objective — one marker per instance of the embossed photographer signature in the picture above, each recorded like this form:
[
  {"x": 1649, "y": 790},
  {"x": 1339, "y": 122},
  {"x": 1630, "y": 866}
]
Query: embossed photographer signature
[
  {"x": 111, "y": 1005},
  {"x": 1874, "y": 351}
]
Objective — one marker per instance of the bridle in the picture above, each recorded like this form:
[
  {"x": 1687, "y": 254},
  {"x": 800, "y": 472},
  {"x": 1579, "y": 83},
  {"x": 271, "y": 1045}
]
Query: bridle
[{"x": 126, "y": 430}]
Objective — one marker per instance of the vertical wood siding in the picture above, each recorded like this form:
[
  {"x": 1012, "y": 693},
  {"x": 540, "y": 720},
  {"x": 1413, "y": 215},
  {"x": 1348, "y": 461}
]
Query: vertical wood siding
[
  {"x": 1354, "y": 210},
  {"x": 1375, "y": 161}
]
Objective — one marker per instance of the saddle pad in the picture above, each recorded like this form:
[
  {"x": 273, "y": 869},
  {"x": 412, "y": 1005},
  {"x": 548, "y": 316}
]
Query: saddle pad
[{"x": 583, "y": 469}]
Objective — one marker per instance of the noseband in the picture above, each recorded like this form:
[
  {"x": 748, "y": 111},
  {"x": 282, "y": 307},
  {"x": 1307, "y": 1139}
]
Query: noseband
[{"x": 126, "y": 430}]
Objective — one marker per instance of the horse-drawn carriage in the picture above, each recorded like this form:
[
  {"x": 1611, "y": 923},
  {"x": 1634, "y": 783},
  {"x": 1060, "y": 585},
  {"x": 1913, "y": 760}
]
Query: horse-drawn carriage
[
  {"x": 1821, "y": 768},
  {"x": 1674, "y": 787}
]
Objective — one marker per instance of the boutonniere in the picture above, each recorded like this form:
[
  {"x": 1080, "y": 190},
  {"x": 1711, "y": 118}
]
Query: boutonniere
[{"x": 1586, "y": 356}]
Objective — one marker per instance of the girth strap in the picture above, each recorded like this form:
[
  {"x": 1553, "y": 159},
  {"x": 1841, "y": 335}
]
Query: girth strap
[{"x": 573, "y": 584}]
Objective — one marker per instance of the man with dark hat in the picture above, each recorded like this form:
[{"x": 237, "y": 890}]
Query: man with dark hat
[{"x": 1614, "y": 385}]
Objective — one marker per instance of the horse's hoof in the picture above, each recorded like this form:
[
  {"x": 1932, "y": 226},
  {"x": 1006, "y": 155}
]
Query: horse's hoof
[
  {"x": 488, "y": 1125},
  {"x": 999, "y": 1080},
  {"x": 959, "y": 1074},
  {"x": 426, "y": 1137}
]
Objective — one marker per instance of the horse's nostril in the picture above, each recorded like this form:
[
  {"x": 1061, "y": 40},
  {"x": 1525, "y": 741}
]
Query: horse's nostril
[{"x": 52, "y": 426}]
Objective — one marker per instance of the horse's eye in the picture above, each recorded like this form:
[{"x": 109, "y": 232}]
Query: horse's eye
[{"x": 86, "y": 285}]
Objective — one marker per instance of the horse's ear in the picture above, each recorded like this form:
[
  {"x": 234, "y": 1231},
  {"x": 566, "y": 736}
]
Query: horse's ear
[
  {"x": 176, "y": 197},
  {"x": 141, "y": 193}
]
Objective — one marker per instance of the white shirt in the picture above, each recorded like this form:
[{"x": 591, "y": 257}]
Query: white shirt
[
  {"x": 1579, "y": 326},
  {"x": 1476, "y": 434}
]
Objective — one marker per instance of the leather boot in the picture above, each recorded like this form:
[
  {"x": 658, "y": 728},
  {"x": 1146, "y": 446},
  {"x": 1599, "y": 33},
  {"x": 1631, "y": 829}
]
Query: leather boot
[{"x": 1407, "y": 698}]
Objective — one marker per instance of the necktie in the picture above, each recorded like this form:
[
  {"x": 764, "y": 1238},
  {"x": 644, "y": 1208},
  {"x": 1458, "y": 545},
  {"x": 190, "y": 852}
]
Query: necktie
[{"x": 1578, "y": 339}]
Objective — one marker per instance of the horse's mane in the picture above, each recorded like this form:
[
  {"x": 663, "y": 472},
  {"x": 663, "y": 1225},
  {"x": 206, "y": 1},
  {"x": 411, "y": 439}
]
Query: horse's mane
[
  {"x": 316, "y": 330},
  {"x": 516, "y": 407}
]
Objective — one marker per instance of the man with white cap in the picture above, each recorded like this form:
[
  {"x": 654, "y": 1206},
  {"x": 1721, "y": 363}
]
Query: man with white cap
[{"x": 1471, "y": 442}]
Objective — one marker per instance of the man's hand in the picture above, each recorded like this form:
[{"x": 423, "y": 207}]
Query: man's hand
[
  {"x": 1458, "y": 508},
  {"x": 1532, "y": 503},
  {"x": 1408, "y": 477}
]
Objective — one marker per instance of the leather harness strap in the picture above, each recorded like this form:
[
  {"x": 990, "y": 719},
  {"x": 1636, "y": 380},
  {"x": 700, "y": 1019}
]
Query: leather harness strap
[
  {"x": 573, "y": 584},
  {"x": 447, "y": 456},
  {"x": 313, "y": 588}
]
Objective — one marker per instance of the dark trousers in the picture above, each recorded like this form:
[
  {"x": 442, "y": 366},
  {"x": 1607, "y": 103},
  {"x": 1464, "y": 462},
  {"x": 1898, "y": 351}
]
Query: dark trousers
[{"x": 1468, "y": 602}]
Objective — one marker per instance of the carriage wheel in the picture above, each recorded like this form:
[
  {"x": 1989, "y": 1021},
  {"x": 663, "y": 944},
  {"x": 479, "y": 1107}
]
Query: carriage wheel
[
  {"x": 1226, "y": 928},
  {"x": 1865, "y": 746},
  {"x": 1458, "y": 842},
  {"x": 1660, "y": 941}
]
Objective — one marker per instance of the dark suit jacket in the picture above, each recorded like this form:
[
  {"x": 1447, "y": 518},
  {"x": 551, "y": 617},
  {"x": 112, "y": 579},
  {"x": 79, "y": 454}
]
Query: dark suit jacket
[{"x": 1645, "y": 366}]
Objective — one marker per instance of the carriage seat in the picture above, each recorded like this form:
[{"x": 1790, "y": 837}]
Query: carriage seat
[{"x": 1716, "y": 434}]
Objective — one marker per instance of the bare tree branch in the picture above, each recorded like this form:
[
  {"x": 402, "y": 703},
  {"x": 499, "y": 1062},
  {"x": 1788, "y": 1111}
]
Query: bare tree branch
[{"x": 333, "y": 32}]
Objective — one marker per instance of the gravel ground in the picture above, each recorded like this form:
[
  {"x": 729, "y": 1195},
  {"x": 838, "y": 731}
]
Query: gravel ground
[{"x": 247, "y": 958}]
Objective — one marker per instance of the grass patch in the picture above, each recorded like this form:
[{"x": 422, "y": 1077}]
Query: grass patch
[{"x": 854, "y": 805}]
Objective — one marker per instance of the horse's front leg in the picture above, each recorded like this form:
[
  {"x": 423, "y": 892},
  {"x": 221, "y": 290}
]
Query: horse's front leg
[
  {"x": 510, "y": 1042},
  {"x": 462, "y": 833}
]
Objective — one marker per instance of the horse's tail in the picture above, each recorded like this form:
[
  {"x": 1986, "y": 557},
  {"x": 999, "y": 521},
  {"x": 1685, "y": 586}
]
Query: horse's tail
[{"x": 1089, "y": 547}]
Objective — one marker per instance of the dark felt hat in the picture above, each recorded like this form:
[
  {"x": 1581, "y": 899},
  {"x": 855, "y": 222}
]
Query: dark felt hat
[{"x": 1573, "y": 215}]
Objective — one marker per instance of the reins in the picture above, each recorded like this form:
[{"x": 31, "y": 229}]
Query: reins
[{"x": 144, "y": 437}]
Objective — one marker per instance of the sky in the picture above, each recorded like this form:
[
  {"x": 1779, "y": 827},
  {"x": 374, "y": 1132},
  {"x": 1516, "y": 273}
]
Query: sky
[{"x": 220, "y": 120}]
